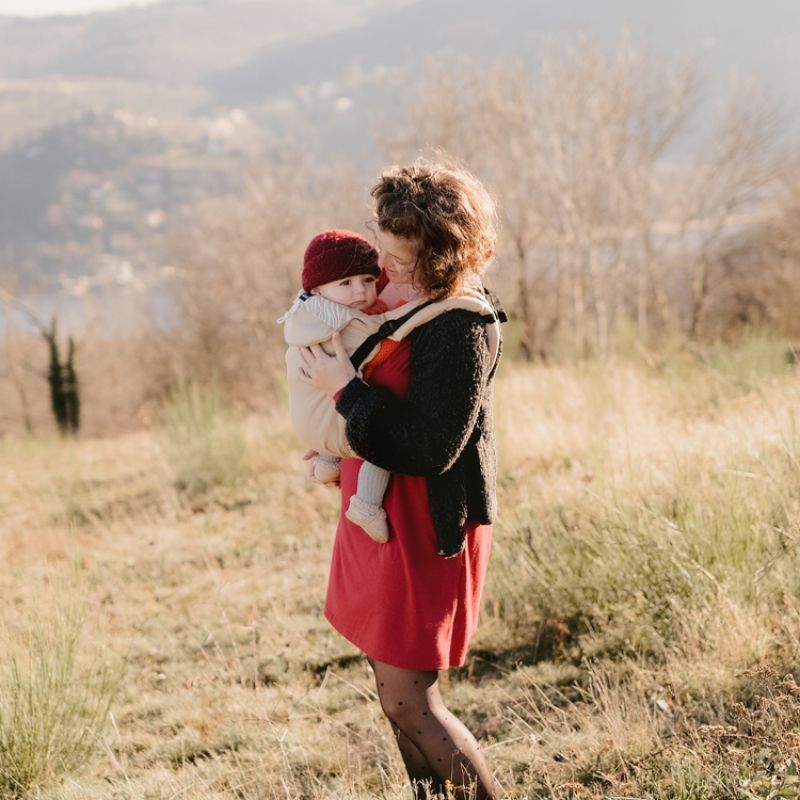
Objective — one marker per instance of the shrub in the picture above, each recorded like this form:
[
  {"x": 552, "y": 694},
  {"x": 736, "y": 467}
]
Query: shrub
[
  {"x": 51, "y": 710},
  {"x": 203, "y": 440},
  {"x": 617, "y": 573}
]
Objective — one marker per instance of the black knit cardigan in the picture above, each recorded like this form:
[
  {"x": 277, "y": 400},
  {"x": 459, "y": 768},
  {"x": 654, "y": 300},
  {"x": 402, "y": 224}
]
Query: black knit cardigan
[{"x": 442, "y": 429}]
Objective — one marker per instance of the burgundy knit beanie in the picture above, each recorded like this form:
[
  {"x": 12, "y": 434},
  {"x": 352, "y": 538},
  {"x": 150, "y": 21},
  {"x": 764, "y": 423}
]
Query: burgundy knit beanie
[{"x": 333, "y": 255}]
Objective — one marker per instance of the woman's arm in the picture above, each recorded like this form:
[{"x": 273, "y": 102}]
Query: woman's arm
[{"x": 424, "y": 433}]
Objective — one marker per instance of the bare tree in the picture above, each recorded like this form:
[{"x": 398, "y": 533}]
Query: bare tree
[
  {"x": 726, "y": 186},
  {"x": 239, "y": 268},
  {"x": 602, "y": 218}
]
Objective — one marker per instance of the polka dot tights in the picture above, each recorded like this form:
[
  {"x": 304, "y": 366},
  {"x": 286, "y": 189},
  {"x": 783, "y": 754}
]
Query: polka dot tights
[{"x": 437, "y": 750}]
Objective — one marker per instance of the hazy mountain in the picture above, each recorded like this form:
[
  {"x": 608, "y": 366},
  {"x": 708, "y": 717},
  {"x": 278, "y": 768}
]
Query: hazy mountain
[
  {"x": 114, "y": 123},
  {"x": 248, "y": 50},
  {"x": 176, "y": 42},
  {"x": 732, "y": 35}
]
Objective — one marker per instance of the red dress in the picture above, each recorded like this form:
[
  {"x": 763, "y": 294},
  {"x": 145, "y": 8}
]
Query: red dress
[{"x": 400, "y": 602}]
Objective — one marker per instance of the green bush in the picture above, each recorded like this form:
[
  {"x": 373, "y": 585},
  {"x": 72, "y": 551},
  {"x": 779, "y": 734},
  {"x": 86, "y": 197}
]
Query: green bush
[
  {"x": 610, "y": 578},
  {"x": 203, "y": 440},
  {"x": 51, "y": 710},
  {"x": 616, "y": 569},
  {"x": 702, "y": 378}
]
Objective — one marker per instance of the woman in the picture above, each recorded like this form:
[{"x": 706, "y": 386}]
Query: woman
[{"x": 412, "y": 604}]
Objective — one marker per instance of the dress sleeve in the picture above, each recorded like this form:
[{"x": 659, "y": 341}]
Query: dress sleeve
[{"x": 425, "y": 432}]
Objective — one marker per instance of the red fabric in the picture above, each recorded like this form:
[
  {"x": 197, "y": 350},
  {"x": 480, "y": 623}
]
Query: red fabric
[
  {"x": 378, "y": 307},
  {"x": 388, "y": 346},
  {"x": 400, "y": 602}
]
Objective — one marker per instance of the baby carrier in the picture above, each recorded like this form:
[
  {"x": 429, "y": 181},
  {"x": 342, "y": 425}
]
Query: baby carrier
[{"x": 313, "y": 319}]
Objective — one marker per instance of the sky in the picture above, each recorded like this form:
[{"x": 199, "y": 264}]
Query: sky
[{"x": 41, "y": 8}]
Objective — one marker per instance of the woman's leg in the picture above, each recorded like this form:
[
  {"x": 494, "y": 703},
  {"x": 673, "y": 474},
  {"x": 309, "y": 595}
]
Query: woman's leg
[
  {"x": 420, "y": 772},
  {"x": 424, "y": 780},
  {"x": 412, "y": 702}
]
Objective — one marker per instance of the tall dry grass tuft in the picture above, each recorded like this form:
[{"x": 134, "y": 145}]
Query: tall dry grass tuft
[
  {"x": 636, "y": 524},
  {"x": 645, "y": 574},
  {"x": 203, "y": 439},
  {"x": 54, "y": 701}
]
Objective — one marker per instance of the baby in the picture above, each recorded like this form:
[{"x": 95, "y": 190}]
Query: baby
[{"x": 342, "y": 266}]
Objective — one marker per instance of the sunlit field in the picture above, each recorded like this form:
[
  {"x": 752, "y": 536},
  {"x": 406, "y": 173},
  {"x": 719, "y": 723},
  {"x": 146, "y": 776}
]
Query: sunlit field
[{"x": 163, "y": 634}]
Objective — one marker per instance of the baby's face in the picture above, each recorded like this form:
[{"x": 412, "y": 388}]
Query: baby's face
[{"x": 357, "y": 291}]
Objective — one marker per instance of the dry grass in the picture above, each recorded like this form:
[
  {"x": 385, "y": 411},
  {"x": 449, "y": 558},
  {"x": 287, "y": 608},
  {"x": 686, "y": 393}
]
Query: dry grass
[
  {"x": 52, "y": 707},
  {"x": 641, "y": 628}
]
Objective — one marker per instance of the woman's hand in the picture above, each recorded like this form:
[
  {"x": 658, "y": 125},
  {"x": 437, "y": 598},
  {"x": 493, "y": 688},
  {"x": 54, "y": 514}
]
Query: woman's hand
[{"x": 324, "y": 372}]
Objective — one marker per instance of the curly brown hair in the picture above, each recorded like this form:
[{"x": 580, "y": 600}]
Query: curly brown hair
[{"x": 448, "y": 211}]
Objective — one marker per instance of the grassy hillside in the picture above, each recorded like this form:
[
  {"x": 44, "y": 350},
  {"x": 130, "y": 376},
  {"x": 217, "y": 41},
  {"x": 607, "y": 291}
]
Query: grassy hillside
[{"x": 639, "y": 637}]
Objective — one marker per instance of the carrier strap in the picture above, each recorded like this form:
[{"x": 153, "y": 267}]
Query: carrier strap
[
  {"x": 494, "y": 302},
  {"x": 386, "y": 329},
  {"x": 391, "y": 325}
]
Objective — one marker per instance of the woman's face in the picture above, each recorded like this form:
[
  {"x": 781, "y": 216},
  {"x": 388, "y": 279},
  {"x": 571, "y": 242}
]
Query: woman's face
[{"x": 397, "y": 256}]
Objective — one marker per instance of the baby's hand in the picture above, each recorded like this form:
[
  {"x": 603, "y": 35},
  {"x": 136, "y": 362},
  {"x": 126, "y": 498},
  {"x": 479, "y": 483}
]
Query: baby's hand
[
  {"x": 326, "y": 471},
  {"x": 321, "y": 471},
  {"x": 310, "y": 455}
]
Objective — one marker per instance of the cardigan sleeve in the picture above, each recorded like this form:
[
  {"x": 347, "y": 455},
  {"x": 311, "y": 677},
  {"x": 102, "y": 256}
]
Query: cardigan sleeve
[{"x": 425, "y": 432}]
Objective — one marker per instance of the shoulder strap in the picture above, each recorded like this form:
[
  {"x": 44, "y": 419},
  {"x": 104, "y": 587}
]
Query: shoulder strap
[
  {"x": 386, "y": 329},
  {"x": 391, "y": 325},
  {"x": 494, "y": 302}
]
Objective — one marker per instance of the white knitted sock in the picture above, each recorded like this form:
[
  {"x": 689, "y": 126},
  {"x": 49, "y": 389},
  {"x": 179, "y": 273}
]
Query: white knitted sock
[{"x": 372, "y": 483}]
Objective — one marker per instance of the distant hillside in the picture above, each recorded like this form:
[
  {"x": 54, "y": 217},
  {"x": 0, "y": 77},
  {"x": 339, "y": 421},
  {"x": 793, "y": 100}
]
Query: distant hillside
[
  {"x": 109, "y": 134},
  {"x": 113, "y": 119},
  {"x": 178, "y": 42},
  {"x": 730, "y": 35}
]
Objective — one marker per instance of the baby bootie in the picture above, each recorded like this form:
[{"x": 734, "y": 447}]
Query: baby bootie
[
  {"x": 326, "y": 471},
  {"x": 370, "y": 517}
]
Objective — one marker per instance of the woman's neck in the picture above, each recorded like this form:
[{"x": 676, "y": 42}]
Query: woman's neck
[{"x": 395, "y": 293}]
